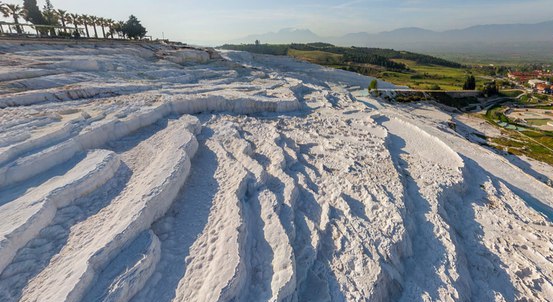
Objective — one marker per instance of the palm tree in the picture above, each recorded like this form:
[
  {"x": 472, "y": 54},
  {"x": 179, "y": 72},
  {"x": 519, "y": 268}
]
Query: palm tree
[
  {"x": 15, "y": 11},
  {"x": 75, "y": 19},
  {"x": 94, "y": 20},
  {"x": 85, "y": 19},
  {"x": 1, "y": 28},
  {"x": 63, "y": 16},
  {"x": 118, "y": 27},
  {"x": 113, "y": 27},
  {"x": 102, "y": 22},
  {"x": 110, "y": 25}
]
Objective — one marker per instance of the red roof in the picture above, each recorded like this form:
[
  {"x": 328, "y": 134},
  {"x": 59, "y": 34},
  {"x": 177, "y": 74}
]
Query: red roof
[
  {"x": 541, "y": 86},
  {"x": 525, "y": 74}
]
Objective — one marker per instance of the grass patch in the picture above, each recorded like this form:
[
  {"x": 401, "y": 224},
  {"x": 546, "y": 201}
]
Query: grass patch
[
  {"x": 423, "y": 76},
  {"x": 495, "y": 114},
  {"x": 538, "y": 122},
  {"x": 532, "y": 143},
  {"x": 536, "y": 99},
  {"x": 317, "y": 57},
  {"x": 511, "y": 93},
  {"x": 518, "y": 143}
]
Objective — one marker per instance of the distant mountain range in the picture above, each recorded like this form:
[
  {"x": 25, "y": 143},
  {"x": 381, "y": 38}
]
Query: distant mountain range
[{"x": 513, "y": 39}]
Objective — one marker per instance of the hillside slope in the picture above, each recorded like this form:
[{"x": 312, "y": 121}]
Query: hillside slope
[{"x": 146, "y": 172}]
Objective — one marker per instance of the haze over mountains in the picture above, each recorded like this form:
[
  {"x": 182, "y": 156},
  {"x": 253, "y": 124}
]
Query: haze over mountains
[{"x": 516, "y": 40}]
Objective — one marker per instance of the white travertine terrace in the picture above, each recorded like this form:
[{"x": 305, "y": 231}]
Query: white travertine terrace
[{"x": 148, "y": 172}]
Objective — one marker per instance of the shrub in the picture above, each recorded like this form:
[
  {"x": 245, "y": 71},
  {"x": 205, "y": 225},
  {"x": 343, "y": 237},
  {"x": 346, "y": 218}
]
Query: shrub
[
  {"x": 373, "y": 85},
  {"x": 490, "y": 89},
  {"x": 434, "y": 87}
]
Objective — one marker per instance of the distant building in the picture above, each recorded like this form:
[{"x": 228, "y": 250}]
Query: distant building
[
  {"x": 535, "y": 82},
  {"x": 543, "y": 88},
  {"x": 526, "y": 76},
  {"x": 523, "y": 76}
]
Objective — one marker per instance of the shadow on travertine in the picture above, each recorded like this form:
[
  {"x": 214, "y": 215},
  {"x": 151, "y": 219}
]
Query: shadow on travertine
[
  {"x": 427, "y": 251},
  {"x": 464, "y": 259},
  {"x": 11, "y": 193},
  {"x": 183, "y": 223},
  {"x": 35, "y": 256},
  {"x": 461, "y": 213},
  {"x": 475, "y": 136}
]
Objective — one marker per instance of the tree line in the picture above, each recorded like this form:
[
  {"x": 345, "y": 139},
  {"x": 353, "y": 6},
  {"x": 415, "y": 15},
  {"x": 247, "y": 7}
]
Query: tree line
[
  {"x": 378, "y": 52},
  {"x": 47, "y": 20},
  {"x": 356, "y": 55},
  {"x": 368, "y": 58}
]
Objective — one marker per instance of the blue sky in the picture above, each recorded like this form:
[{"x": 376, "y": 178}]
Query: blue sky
[{"x": 216, "y": 21}]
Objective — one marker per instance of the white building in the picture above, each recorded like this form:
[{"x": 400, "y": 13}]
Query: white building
[{"x": 533, "y": 83}]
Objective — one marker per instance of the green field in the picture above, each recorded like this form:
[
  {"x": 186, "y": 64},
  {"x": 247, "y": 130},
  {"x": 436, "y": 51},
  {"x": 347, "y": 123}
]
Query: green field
[
  {"x": 317, "y": 57},
  {"x": 419, "y": 76},
  {"x": 495, "y": 114},
  {"x": 513, "y": 93},
  {"x": 538, "y": 122},
  {"x": 536, "y": 100},
  {"x": 424, "y": 75},
  {"x": 533, "y": 143}
]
